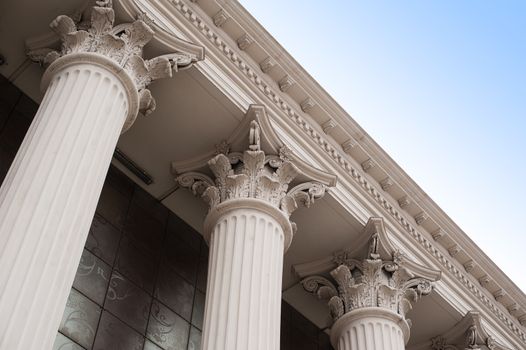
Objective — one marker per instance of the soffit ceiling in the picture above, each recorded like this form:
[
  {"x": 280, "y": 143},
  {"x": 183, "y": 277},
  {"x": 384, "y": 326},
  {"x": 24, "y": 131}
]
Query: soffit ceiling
[{"x": 192, "y": 116}]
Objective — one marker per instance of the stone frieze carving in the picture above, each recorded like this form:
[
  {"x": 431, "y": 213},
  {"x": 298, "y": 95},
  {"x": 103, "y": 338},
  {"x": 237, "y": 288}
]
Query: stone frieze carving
[
  {"x": 382, "y": 279},
  {"x": 122, "y": 43}
]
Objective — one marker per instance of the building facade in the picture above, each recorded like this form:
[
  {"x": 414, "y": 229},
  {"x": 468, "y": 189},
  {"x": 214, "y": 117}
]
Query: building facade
[{"x": 242, "y": 209}]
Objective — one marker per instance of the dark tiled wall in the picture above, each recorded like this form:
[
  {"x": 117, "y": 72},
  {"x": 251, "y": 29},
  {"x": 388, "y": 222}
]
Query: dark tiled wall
[
  {"x": 16, "y": 113},
  {"x": 298, "y": 333},
  {"x": 141, "y": 280}
]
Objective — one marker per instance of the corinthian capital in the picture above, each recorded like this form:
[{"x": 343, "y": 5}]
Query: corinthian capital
[
  {"x": 253, "y": 174},
  {"x": 265, "y": 170},
  {"x": 383, "y": 277},
  {"x": 95, "y": 32},
  {"x": 467, "y": 334}
]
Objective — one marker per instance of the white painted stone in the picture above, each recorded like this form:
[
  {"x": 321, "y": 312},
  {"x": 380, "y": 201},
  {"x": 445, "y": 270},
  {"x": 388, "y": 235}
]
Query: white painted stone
[
  {"x": 248, "y": 230},
  {"x": 243, "y": 302},
  {"x": 49, "y": 196},
  {"x": 370, "y": 329},
  {"x": 372, "y": 294},
  {"x": 96, "y": 85}
]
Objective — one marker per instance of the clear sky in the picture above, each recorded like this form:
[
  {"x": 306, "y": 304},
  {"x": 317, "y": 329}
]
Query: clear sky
[{"x": 441, "y": 86}]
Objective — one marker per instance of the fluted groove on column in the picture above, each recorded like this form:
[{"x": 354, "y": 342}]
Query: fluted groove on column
[
  {"x": 85, "y": 215},
  {"x": 49, "y": 197},
  {"x": 249, "y": 228},
  {"x": 371, "y": 293},
  {"x": 244, "y": 286},
  {"x": 96, "y": 84},
  {"x": 369, "y": 332}
]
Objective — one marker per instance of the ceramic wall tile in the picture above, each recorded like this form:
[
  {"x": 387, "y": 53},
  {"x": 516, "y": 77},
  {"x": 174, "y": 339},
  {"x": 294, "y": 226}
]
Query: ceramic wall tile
[
  {"x": 92, "y": 277},
  {"x": 80, "y": 319}
]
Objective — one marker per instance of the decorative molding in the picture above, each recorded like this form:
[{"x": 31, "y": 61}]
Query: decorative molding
[
  {"x": 307, "y": 104},
  {"x": 469, "y": 265},
  {"x": 386, "y": 184},
  {"x": 328, "y": 126},
  {"x": 437, "y": 234},
  {"x": 368, "y": 165},
  {"x": 522, "y": 320},
  {"x": 271, "y": 143},
  {"x": 349, "y": 145},
  {"x": 244, "y": 41},
  {"x": 122, "y": 44},
  {"x": 286, "y": 83},
  {"x": 513, "y": 308},
  {"x": 421, "y": 217},
  {"x": 267, "y": 64},
  {"x": 467, "y": 334},
  {"x": 220, "y": 18},
  {"x": 484, "y": 280},
  {"x": 252, "y": 174},
  {"x": 384, "y": 278},
  {"x": 499, "y": 294},
  {"x": 404, "y": 202},
  {"x": 223, "y": 147},
  {"x": 347, "y": 166},
  {"x": 454, "y": 250}
]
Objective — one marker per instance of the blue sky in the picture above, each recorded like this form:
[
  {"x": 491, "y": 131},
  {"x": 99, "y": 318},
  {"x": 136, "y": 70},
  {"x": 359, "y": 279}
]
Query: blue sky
[{"x": 441, "y": 86}]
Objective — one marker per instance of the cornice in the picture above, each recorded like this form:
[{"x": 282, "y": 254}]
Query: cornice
[{"x": 344, "y": 161}]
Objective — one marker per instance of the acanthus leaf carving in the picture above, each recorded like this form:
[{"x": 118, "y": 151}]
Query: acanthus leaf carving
[
  {"x": 123, "y": 44},
  {"x": 378, "y": 280},
  {"x": 467, "y": 334},
  {"x": 252, "y": 174},
  {"x": 197, "y": 182}
]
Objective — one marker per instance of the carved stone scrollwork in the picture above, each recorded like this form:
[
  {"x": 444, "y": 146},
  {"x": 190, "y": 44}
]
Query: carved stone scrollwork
[
  {"x": 123, "y": 44},
  {"x": 380, "y": 281},
  {"x": 468, "y": 334},
  {"x": 253, "y": 174},
  {"x": 439, "y": 343}
]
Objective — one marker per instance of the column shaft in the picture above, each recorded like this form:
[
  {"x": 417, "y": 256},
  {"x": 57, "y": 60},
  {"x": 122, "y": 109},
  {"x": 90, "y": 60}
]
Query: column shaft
[
  {"x": 49, "y": 196},
  {"x": 243, "y": 301},
  {"x": 369, "y": 329}
]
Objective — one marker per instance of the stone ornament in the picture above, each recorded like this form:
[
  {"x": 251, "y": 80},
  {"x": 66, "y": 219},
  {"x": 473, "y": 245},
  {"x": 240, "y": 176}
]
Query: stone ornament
[
  {"x": 384, "y": 278},
  {"x": 253, "y": 174},
  {"x": 277, "y": 178},
  {"x": 468, "y": 334},
  {"x": 123, "y": 44}
]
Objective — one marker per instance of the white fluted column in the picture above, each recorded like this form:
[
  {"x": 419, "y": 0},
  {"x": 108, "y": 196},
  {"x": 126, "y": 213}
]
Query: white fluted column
[
  {"x": 370, "y": 329},
  {"x": 248, "y": 230},
  {"x": 95, "y": 86},
  {"x": 243, "y": 300},
  {"x": 49, "y": 196},
  {"x": 372, "y": 294}
]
